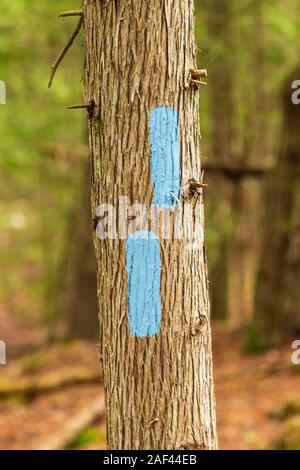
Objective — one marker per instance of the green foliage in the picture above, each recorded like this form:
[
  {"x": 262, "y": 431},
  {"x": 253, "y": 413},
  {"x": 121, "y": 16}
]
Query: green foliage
[
  {"x": 290, "y": 409},
  {"x": 100, "y": 124},
  {"x": 36, "y": 195},
  {"x": 254, "y": 342},
  {"x": 88, "y": 436},
  {"x": 249, "y": 48},
  {"x": 261, "y": 36},
  {"x": 16, "y": 399},
  {"x": 32, "y": 363},
  {"x": 296, "y": 369},
  {"x": 290, "y": 439}
]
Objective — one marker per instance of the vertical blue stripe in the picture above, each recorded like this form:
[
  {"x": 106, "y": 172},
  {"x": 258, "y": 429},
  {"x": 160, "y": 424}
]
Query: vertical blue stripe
[
  {"x": 143, "y": 263},
  {"x": 143, "y": 266},
  {"x": 165, "y": 156}
]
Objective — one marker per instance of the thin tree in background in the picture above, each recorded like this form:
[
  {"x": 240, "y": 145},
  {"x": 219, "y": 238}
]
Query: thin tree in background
[
  {"x": 80, "y": 307},
  {"x": 236, "y": 156},
  {"x": 142, "y": 93},
  {"x": 277, "y": 296}
]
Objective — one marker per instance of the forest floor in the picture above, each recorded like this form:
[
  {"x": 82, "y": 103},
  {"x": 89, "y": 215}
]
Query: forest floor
[{"x": 53, "y": 398}]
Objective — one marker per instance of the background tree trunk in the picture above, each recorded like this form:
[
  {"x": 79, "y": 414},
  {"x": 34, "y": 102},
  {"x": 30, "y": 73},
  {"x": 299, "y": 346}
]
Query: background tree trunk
[
  {"x": 226, "y": 142},
  {"x": 277, "y": 297},
  {"x": 233, "y": 216},
  {"x": 80, "y": 306},
  {"x": 159, "y": 388}
]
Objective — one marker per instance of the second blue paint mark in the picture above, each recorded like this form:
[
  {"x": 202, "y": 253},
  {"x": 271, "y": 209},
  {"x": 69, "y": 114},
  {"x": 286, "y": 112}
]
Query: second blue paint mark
[
  {"x": 143, "y": 266},
  {"x": 165, "y": 156}
]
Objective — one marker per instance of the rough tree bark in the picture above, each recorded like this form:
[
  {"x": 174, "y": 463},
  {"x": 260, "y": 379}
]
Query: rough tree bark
[{"x": 159, "y": 388}]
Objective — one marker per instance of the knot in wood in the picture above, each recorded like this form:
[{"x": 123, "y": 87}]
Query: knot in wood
[{"x": 198, "y": 327}]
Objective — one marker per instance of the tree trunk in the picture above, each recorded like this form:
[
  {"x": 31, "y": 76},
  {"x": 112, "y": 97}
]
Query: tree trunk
[
  {"x": 155, "y": 346},
  {"x": 227, "y": 148},
  {"x": 277, "y": 299},
  {"x": 237, "y": 121},
  {"x": 80, "y": 307}
]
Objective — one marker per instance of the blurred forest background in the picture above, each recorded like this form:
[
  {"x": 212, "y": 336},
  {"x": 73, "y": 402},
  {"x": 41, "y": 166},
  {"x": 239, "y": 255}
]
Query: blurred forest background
[{"x": 50, "y": 390}]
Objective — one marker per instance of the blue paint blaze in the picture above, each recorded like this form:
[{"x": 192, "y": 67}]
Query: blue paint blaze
[
  {"x": 165, "y": 156},
  {"x": 143, "y": 266}
]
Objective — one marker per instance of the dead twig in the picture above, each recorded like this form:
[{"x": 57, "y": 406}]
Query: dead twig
[
  {"x": 196, "y": 75},
  {"x": 89, "y": 107},
  {"x": 198, "y": 82},
  {"x": 80, "y": 106},
  {"x": 71, "y": 13},
  {"x": 195, "y": 185},
  {"x": 65, "y": 50}
]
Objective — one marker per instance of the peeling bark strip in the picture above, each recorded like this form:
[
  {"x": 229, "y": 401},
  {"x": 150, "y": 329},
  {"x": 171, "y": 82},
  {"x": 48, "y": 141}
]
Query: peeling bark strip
[{"x": 159, "y": 389}]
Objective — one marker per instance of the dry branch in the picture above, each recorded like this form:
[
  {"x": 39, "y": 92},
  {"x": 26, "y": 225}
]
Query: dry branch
[
  {"x": 48, "y": 382},
  {"x": 197, "y": 74},
  {"x": 62, "y": 438},
  {"x": 195, "y": 185},
  {"x": 65, "y": 50},
  {"x": 80, "y": 106},
  {"x": 233, "y": 171},
  {"x": 70, "y": 13}
]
